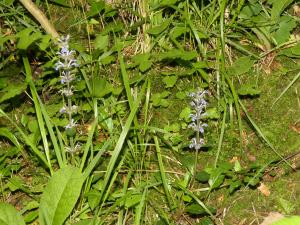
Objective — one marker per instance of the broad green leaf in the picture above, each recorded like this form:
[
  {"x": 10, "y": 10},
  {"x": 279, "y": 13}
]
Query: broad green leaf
[
  {"x": 170, "y": 81},
  {"x": 93, "y": 198},
  {"x": 186, "y": 114},
  {"x": 278, "y": 7},
  {"x": 13, "y": 90},
  {"x": 202, "y": 176},
  {"x": 158, "y": 99},
  {"x": 296, "y": 49},
  {"x": 132, "y": 200},
  {"x": 178, "y": 31},
  {"x": 6, "y": 133},
  {"x": 293, "y": 220},
  {"x": 9, "y": 215},
  {"x": 95, "y": 8},
  {"x": 101, "y": 87},
  {"x": 31, "y": 216},
  {"x": 27, "y": 37},
  {"x": 286, "y": 25},
  {"x": 216, "y": 178},
  {"x": 212, "y": 113},
  {"x": 234, "y": 185},
  {"x": 45, "y": 42},
  {"x": 241, "y": 65},
  {"x": 196, "y": 209},
  {"x": 250, "y": 10},
  {"x": 156, "y": 30},
  {"x": 143, "y": 61},
  {"x": 181, "y": 95},
  {"x": 60, "y": 196},
  {"x": 248, "y": 89},
  {"x": 101, "y": 42}
]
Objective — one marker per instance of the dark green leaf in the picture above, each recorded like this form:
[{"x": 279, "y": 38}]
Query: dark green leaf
[
  {"x": 196, "y": 209},
  {"x": 13, "y": 90},
  {"x": 202, "y": 176},
  {"x": 278, "y": 7},
  {"x": 132, "y": 200},
  {"x": 241, "y": 65},
  {"x": 101, "y": 87},
  {"x": 170, "y": 81},
  {"x": 95, "y": 8},
  {"x": 248, "y": 89},
  {"x": 160, "y": 28},
  {"x": 101, "y": 42}
]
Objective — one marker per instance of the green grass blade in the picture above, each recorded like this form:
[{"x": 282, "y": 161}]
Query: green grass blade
[
  {"x": 119, "y": 146},
  {"x": 26, "y": 139},
  {"x": 88, "y": 143},
  {"x": 163, "y": 174},
  {"x": 88, "y": 170},
  {"x": 191, "y": 194},
  {"x": 139, "y": 208},
  {"x": 38, "y": 110},
  {"x": 221, "y": 137}
]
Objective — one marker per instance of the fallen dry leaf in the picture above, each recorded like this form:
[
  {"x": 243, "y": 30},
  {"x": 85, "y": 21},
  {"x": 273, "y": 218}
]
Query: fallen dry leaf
[
  {"x": 271, "y": 218},
  {"x": 264, "y": 189}
]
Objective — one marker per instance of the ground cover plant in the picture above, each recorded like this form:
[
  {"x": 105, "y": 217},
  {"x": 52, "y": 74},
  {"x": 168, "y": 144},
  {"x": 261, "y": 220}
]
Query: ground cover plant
[{"x": 149, "y": 112}]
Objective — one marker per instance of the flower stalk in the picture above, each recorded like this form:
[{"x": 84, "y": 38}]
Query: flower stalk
[
  {"x": 198, "y": 105},
  {"x": 66, "y": 65}
]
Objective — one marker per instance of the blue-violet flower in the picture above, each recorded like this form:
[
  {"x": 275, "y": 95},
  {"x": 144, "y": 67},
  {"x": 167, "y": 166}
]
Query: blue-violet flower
[{"x": 198, "y": 105}]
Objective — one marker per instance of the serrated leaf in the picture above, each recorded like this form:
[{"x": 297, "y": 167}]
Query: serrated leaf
[
  {"x": 241, "y": 65},
  {"x": 9, "y": 215},
  {"x": 170, "y": 81},
  {"x": 234, "y": 185},
  {"x": 186, "y": 114},
  {"x": 27, "y": 37},
  {"x": 248, "y": 89},
  {"x": 143, "y": 61},
  {"x": 212, "y": 113},
  {"x": 278, "y": 7},
  {"x": 60, "y": 196},
  {"x": 286, "y": 25},
  {"x": 101, "y": 87},
  {"x": 96, "y": 8},
  {"x": 101, "y": 42},
  {"x": 156, "y": 30},
  {"x": 158, "y": 99},
  {"x": 178, "y": 31},
  {"x": 12, "y": 90}
]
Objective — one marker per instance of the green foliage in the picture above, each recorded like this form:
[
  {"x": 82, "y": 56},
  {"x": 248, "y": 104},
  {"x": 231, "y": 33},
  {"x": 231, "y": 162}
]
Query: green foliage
[
  {"x": 138, "y": 63},
  {"x": 60, "y": 195},
  {"x": 288, "y": 221},
  {"x": 9, "y": 215}
]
